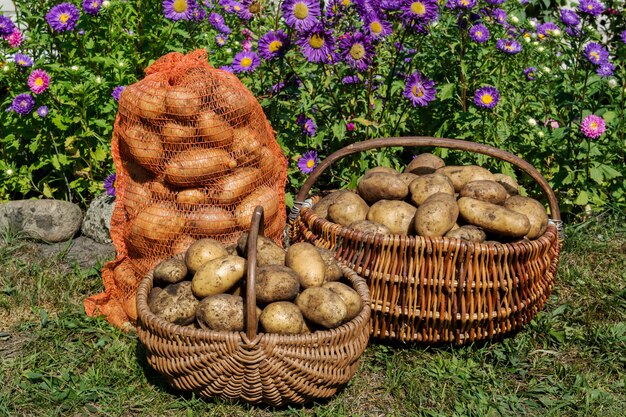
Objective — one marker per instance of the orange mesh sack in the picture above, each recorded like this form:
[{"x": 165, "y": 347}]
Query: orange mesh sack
[{"x": 194, "y": 155}]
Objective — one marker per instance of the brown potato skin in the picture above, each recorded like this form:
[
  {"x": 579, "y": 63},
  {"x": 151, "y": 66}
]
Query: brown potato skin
[
  {"x": 322, "y": 306},
  {"x": 175, "y": 303},
  {"x": 210, "y": 221},
  {"x": 202, "y": 251},
  {"x": 493, "y": 218},
  {"x": 461, "y": 175},
  {"x": 380, "y": 170},
  {"x": 158, "y": 222},
  {"x": 276, "y": 283},
  {"x": 218, "y": 275},
  {"x": 307, "y": 262},
  {"x": 367, "y": 226},
  {"x": 425, "y": 163},
  {"x": 144, "y": 146},
  {"x": 485, "y": 190},
  {"x": 191, "y": 197},
  {"x": 332, "y": 271},
  {"x": 221, "y": 312},
  {"x": 426, "y": 185},
  {"x": 397, "y": 216},
  {"x": 510, "y": 185},
  {"x": 194, "y": 166},
  {"x": 534, "y": 210},
  {"x": 437, "y": 215},
  {"x": 263, "y": 196},
  {"x": 267, "y": 251},
  {"x": 347, "y": 208},
  {"x": 282, "y": 317},
  {"x": 321, "y": 207},
  {"x": 349, "y": 296},
  {"x": 170, "y": 270},
  {"x": 234, "y": 187},
  {"x": 214, "y": 130},
  {"x": 382, "y": 186},
  {"x": 407, "y": 177},
  {"x": 467, "y": 232}
]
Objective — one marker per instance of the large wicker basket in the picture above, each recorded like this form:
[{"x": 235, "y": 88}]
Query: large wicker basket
[
  {"x": 437, "y": 290},
  {"x": 254, "y": 367}
]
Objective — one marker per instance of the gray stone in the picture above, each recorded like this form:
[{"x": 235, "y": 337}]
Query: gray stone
[
  {"x": 46, "y": 220},
  {"x": 97, "y": 221},
  {"x": 83, "y": 251}
]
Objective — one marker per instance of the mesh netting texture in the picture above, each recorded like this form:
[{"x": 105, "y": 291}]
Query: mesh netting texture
[{"x": 194, "y": 155}]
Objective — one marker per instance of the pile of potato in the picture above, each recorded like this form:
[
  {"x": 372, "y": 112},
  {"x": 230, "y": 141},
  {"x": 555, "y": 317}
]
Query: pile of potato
[
  {"x": 297, "y": 291},
  {"x": 431, "y": 199}
]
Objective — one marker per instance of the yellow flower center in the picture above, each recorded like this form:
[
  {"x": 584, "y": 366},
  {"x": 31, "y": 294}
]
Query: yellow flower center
[
  {"x": 345, "y": 2},
  {"x": 275, "y": 46},
  {"x": 64, "y": 17},
  {"x": 39, "y": 82},
  {"x": 590, "y": 7},
  {"x": 95, "y": 4},
  {"x": 357, "y": 51},
  {"x": 487, "y": 98},
  {"x": 508, "y": 47},
  {"x": 301, "y": 11},
  {"x": 180, "y": 6},
  {"x": 465, "y": 2},
  {"x": 237, "y": 8},
  {"x": 376, "y": 27},
  {"x": 21, "y": 62},
  {"x": 246, "y": 62},
  {"x": 316, "y": 41},
  {"x": 595, "y": 55},
  {"x": 418, "y": 8},
  {"x": 310, "y": 163},
  {"x": 479, "y": 34},
  {"x": 417, "y": 92},
  {"x": 594, "y": 125}
]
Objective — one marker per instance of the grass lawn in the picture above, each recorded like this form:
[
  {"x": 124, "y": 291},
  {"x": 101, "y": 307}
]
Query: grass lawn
[{"x": 570, "y": 361}]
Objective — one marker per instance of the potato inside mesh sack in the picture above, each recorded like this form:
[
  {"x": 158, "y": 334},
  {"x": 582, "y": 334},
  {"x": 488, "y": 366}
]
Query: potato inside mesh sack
[{"x": 194, "y": 154}]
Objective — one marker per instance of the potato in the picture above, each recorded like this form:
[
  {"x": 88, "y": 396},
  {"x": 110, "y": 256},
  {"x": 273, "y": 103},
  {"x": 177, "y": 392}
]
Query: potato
[
  {"x": 267, "y": 163},
  {"x": 158, "y": 222},
  {"x": 202, "y": 251},
  {"x": 367, "y": 226},
  {"x": 222, "y": 312},
  {"x": 175, "y": 133},
  {"x": 282, "y": 317},
  {"x": 210, "y": 221},
  {"x": 144, "y": 146},
  {"x": 182, "y": 243},
  {"x": 461, "y": 175},
  {"x": 347, "y": 208},
  {"x": 467, "y": 232},
  {"x": 138, "y": 196},
  {"x": 407, "y": 177},
  {"x": 171, "y": 270},
  {"x": 382, "y": 186},
  {"x": 218, "y": 275},
  {"x": 195, "y": 166},
  {"x": 484, "y": 190},
  {"x": 350, "y": 297},
  {"x": 233, "y": 102},
  {"x": 509, "y": 184},
  {"x": 493, "y": 218},
  {"x": 267, "y": 251},
  {"x": 307, "y": 262},
  {"x": 233, "y": 187},
  {"x": 192, "y": 197},
  {"x": 425, "y": 163},
  {"x": 321, "y": 207},
  {"x": 183, "y": 103},
  {"x": 212, "y": 129},
  {"x": 175, "y": 303},
  {"x": 150, "y": 105},
  {"x": 332, "y": 270},
  {"x": 426, "y": 185},
  {"x": 276, "y": 283},
  {"x": 136, "y": 172},
  {"x": 245, "y": 142},
  {"x": 534, "y": 210},
  {"x": 232, "y": 249},
  {"x": 436, "y": 216},
  {"x": 263, "y": 196},
  {"x": 380, "y": 170},
  {"x": 322, "y": 306},
  {"x": 397, "y": 216}
]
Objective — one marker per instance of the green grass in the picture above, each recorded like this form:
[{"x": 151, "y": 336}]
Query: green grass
[{"x": 569, "y": 361}]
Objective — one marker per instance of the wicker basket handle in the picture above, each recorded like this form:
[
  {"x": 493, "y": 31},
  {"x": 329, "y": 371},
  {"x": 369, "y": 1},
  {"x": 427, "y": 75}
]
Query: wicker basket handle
[
  {"x": 255, "y": 230},
  {"x": 555, "y": 212}
]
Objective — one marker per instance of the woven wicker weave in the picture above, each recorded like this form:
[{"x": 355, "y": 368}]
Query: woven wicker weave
[
  {"x": 256, "y": 368},
  {"x": 437, "y": 290}
]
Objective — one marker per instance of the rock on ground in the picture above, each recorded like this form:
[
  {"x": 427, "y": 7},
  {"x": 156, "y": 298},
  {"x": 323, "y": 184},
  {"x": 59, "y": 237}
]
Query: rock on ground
[
  {"x": 97, "y": 221},
  {"x": 46, "y": 220},
  {"x": 83, "y": 251}
]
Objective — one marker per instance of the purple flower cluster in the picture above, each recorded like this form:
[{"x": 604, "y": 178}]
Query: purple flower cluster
[
  {"x": 479, "y": 33},
  {"x": 356, "y": 50},
  {"x": 499, "y": 16},
  {"x": 218, "y": 22},
  {"x": 109, "y": 185},
  {"x": 317, "y": 44},
  {"x": 509, "y": 46},
  {"x": 624, "y": 36},
  {"x": 593, "y": 126},
  {"x": 419, "y": 89},
  {"x": 245, "y": 61},
  {"x": 419, "y": 13},
  {"x": 63, "y": 17},
  {"x": 273, "y": 44},
  {"x": 530, "y": 73},
  {"x": 570, "y": 17},
  {"x": 23, "y": 104},
  {"x": 301, "y": 14},
  {"x": 23, "y": 60},
  {"x": 92, "y": 7},
  {"x": 591, "y": 7},
  {"x": 599, "y": 56},
  {"x": 117, "y": 92},
  {"x": 6, "y": 25}
]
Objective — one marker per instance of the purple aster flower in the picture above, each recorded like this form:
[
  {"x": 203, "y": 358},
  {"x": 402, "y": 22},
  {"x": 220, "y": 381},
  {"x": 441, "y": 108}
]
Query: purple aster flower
[
  {"x": 593, "y": 126},
  {"x": 23, "y": 60},
  {"x": 624, "y": 36},
  {"x": 317, "y": 44},
  {"x": 335, "y": 8},
  {"x": 569, "y": 17},
  {"x": 356, "y": 50},
  {"x": 42, "y": 111},
  {"x": 218, "y": 23},
  {"x": 23, "y": 104},
  {"x": 63, "y": 17},
  {"x": 530, "y": 73},
  {"x": 592, "y": 7},
  {"x": 351, "y": 79},
  {"x": 419, "y": 11},
  {"x": 273, "y": 44},
  {"x": 227, "y": 68},
  {"x": 247, "y": 33},
  {"x": 419, "y": 89},
  {"x": 6, "y": 25},
  {"x": 391, "y": 5},
  {"x": 573, "y": 31},
  {"x": 546, "y": 29},
  {"x": 109, "y": 184},
  {"x": 461, "y": 4},
  {"x": 198, "y": 14},
  {"x": 596, "y": 53},
  {"x": 301, "y": 14},
  {"x": 510, "y": 46},
  {"x": 38, "y": 81},
  {"x": 378, "y": 28},
  {"x": 494, "y": 2},
  {"x": 179, "y": 9},
  {"x": 246, "y": 61},
  {"x": 92, "y": 7},
  {"x": 605, "y": 69},
  {"x": 479, "y": 33},
  {"x": 117, "y": 92},
  {"x": 499, "y": 16},
  {"x": 309, "y": 127},
  {"x": 486, "y": 97},
  {"x": 308, "y": 161},
  {"x": 246, "y": 45},
  {"x": 278, "y": 87},
  {"x": 221, "y": 39}
]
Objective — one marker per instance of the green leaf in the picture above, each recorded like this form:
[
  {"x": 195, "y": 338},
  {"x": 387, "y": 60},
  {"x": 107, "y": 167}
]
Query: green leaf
[
  {"x": 339, "y": 130},
  {"x": 58, "y": 122},
  {"x": 47, "y": 191},
  {"x": 446, "y": 92},
  {"x": 99, "y": 154},
  {"x": 582, "y": 199},
  {"x": 596, "y": 175},
  {"x": 89, "y": 44},
  {"x": 609, "y": 172},
  {"x": 55, "y": 162},
  {"x": 363, "y": 121}
]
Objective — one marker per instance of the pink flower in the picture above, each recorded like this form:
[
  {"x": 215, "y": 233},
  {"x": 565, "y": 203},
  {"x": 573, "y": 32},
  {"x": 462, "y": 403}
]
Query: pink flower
[
  {"x": 38, "y": 81},
  {"x": 350, "y": 127},
  {"x": 15, "y": 38},
  {"x": 246, "y": 45},
  {"x": 593, "y": 126}
]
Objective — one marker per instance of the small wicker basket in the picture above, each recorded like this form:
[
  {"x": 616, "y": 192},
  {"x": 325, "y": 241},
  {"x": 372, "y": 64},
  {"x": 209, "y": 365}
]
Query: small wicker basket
[
  {"x": 437, "y": 290},
  {"x": 254, "y": 367}
]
